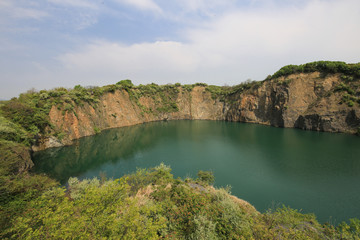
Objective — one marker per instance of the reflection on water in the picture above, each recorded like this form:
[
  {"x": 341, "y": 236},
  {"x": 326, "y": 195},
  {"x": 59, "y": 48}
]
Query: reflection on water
[
  {"x": 90, "y": 153},
  {"x": 314, "y": 171}
]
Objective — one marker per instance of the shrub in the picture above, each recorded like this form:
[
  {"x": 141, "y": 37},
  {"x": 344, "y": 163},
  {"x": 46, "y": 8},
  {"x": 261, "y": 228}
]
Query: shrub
[
  {"x": 100, "y": 211},
  {"x": 206, "y": 177},
  {"x": 125, "y": 84},
  {"x": 97, "y": 130},
  {"x": 351, "y": 231},
  {"x": 26, "y": 114},
  {"x": 13, "y": 132},
  {"x": 325, "y": 67},
  {"x": 204, "y": 228},
  {"x": 150, "y": 204},
  {"x": 200, "y": 84}
]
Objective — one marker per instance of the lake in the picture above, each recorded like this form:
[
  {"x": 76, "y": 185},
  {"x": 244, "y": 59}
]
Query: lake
[{"x": 314, "y": 172}]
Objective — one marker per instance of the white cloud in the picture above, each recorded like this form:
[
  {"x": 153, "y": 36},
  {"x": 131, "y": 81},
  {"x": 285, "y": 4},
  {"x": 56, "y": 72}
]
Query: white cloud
[
  {"x": 149, "y": 61},
  {"x": 232, "y": 48},
  {"x": 148, "y": 5}
]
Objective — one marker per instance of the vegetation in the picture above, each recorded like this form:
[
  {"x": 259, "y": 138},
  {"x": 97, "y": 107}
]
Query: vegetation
[
  {"x": 222, "y": 93},
  {"x": 151, "y": 204},
  {"x": 348, "y": 71},
  {"x": 206, "y": 178},
  {"x": 350, "y": 95},
  {"x": 164, "y": 97},
  {"x": 349, "y": 74},
  {"x": 17, "y": 185}
]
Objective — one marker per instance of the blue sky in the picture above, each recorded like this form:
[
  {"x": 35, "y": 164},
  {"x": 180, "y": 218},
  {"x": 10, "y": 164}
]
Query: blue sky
[{"x": 51, "y": 43}]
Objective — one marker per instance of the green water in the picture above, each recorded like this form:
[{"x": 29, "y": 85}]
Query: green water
[{"x": 313, "y": 171}]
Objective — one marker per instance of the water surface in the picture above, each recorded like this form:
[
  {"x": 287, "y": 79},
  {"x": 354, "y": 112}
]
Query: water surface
[{"x": 313, "y": 171}]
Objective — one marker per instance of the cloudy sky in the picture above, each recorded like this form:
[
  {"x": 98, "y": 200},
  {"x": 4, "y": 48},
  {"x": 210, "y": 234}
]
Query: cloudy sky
[{"x": 50, "y": 43}]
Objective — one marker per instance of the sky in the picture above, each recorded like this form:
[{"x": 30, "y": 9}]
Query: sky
[{"x": 51, "y": 43}]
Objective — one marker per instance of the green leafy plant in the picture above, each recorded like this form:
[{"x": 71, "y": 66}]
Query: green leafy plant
[
  {"x": 97, "y": 130},
  {"x": 206, "y": 177}
]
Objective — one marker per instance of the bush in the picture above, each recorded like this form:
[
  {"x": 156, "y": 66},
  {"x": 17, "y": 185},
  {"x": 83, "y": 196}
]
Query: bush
[
  {"x": 13, "y": 132},
  {"x": 125, "y": 84},
  {"x": 204, "y": 229},
  {"x": 97, "y": 130},
  {"x": 150, "y": 204},
  {"x": 26, "y": 115},
  {"x": 287, "y": 223},
  {"x": 206, "y": 177},
  {"x": 351, "y": 231},
  {"x": 325, "y": 67}
]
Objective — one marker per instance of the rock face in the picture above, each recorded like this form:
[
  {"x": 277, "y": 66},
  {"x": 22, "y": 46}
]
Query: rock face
[{"x": 305, "y": 101}]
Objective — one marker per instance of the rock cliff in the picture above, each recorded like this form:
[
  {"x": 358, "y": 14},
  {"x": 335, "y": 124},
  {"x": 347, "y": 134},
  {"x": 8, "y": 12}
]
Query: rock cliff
[
  {"x": 117, "y": 109},
  {"x": 309, "y": 101},
  {"x": 305, "y": 101}
]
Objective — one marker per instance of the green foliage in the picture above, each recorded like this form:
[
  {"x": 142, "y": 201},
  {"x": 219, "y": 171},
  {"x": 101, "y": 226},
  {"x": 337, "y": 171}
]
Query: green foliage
[
  {"x": 15, "y": 157},
  {"x": 187, "y": 87},
  {"x": 151, "y": 204},
  {"x": 17, "y": 186},
  {"x": 344, "y": 87},
  {"x": 200, "y": 85},
  {"x": 350, "y": 97},
  {"x": 125, "y": 83},
  {"x": 78, "y": 188},
  {"x": 206, "y": 177},
  {"x": 97, "y": 130},
  {"x": 217, "y": 92},
  {"x": 163, "y": 96},
  {"x": 222, "y": 93},
  {"x": 142, "y": 178},
  {"x": 286, "y": 82},
  {"x": 351, "y": 71},
  {"x": 13, "y": 132},
  {"x": 350, "y": 103},
  {"x": 98, "y": 211},
  {"x": 287, "y": 223},
  {"x": 204, "y": 228},
  {"x": 60, "y": 135},
  {"x": 347, "y": 78},
  {"x": 28, "y": 112},
  {"x": 350, "y": 231}
]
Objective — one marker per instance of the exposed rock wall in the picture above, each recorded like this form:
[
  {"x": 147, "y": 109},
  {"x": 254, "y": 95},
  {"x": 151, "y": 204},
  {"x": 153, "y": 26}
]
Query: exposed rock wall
[
  {"x": 305, "y": 101},
  {"x": 118, "y": 110}
]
